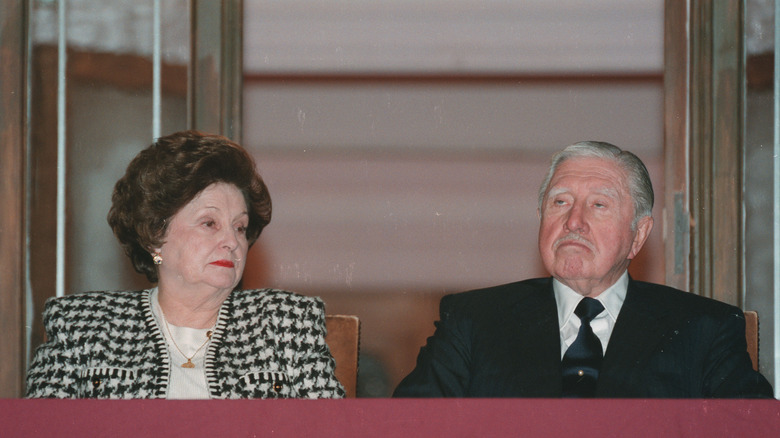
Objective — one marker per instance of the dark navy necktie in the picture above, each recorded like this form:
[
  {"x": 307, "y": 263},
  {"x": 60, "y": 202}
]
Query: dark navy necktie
[{"x": 582, "y": 359}]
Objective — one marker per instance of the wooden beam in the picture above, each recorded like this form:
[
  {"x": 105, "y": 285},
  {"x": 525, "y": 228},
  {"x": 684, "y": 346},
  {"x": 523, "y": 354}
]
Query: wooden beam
[
  {"x": 676, "y": 145},
  {"x": 12, "y": 189},
  {"x": 123, "y": 71}
]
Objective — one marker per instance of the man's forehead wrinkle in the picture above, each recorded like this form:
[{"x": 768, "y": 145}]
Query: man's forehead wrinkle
[{"x": 606, "y": 190}]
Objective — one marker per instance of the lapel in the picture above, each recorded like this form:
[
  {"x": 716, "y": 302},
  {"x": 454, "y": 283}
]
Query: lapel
[
  {"x": 219, "y": 388},
  {"x": 152, "y": 333},
  {"x": 535, "y": 341},
  {"x": 639, "y": 329}
]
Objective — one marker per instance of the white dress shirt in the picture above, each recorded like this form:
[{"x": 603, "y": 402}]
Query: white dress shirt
[{"x": 602, "y": 325}]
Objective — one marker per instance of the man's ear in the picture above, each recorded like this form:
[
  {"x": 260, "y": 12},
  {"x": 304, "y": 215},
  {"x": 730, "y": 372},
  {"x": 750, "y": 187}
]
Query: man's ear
[{"x": 643, "y": 228}]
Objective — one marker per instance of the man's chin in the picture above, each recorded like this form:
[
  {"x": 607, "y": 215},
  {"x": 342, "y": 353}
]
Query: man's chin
[{"x": 571, "y": 270}]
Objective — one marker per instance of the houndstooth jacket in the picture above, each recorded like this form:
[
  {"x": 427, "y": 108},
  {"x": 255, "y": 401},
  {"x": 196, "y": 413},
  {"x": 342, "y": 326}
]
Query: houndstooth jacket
[{"x": 266, "y": 344}]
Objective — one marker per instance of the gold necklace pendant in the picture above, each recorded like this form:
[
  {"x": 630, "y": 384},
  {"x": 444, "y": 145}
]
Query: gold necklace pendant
[{"x": 189, "y": 363}]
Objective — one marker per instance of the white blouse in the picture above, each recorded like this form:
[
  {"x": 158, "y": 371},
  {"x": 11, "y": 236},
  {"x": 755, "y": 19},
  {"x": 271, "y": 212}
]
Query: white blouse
[{"x": 184, "y": 383}]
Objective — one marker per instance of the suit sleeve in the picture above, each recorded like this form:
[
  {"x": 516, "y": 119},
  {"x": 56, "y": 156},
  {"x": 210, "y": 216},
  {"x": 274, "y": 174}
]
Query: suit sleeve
[
  {"x": 314, "y": 371},
  {"x": 53, "y": 372},
  {"x": 729, "y": 372},
  {"x": 443, "y": 364}
]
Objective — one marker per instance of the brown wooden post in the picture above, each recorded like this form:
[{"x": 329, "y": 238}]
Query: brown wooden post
[{"x": 13, "y": 149}]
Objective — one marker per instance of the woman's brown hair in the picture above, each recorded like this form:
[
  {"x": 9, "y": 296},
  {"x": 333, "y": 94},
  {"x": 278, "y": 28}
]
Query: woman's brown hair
[{"x": 169, "y": 174}]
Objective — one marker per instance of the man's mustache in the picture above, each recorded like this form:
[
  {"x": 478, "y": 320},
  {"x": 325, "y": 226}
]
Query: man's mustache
[{"x": 573, "y": 237}]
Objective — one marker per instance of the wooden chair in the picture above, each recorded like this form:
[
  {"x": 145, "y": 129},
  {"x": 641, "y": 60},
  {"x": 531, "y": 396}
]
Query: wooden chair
[
  {"x": 343, "y": 339},
  {"x": 751, "y": 336}
]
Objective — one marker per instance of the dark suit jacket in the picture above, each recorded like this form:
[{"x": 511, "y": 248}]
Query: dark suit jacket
[{"x": 504, "y": 341}]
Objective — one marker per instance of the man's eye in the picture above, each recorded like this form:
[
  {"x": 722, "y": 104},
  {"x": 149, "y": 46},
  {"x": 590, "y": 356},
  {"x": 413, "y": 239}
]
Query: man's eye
[
  {"x": 209, "y": 223},
  {"x": 241, "y": 229}
]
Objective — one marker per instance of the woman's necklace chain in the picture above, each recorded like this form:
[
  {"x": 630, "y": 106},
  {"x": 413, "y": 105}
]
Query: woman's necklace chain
[{"x": 189, "y": 363}]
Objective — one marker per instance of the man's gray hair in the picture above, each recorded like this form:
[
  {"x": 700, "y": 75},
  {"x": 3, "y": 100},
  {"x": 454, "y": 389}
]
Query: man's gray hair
[{"x": 638, "y": 178}]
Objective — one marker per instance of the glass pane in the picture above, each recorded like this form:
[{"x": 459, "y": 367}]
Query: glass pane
[
  {"x": 762, "y": 244},
  {"x": 403, "y": 144},
  {"x": 93, "y": 82}
]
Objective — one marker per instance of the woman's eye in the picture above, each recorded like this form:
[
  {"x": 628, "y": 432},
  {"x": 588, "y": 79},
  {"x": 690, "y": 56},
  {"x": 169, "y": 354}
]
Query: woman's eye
[{"x": 241, "y": 229}]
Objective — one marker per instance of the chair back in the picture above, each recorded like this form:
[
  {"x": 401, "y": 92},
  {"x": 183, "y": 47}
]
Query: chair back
[
  {"x": 343, "y": 339},
  {"x": 751, "y": 336}
]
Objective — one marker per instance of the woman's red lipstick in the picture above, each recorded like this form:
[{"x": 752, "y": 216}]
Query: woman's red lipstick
[{"x": 224, "y": 263}]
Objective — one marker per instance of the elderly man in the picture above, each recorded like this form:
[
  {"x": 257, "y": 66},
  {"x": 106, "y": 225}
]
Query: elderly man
[{"x": 590, "y": 330}]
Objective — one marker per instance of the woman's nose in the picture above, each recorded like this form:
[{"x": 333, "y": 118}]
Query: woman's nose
[{"x": 230, "y": 238}]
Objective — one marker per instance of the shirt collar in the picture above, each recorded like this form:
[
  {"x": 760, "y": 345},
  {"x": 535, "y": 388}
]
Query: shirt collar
[{"x": 612, "y": 299}]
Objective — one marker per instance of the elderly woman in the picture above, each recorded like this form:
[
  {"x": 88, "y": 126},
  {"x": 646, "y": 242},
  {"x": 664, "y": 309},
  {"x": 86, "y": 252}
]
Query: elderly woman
[{"x": 186, "y": 212}]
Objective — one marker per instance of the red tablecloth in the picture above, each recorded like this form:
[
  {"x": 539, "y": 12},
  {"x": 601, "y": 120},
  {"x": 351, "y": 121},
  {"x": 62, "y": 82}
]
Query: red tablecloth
[{"x": 390, "y": 418}]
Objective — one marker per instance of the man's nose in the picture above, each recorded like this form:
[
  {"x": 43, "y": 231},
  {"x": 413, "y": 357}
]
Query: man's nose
[{"x": 575, "y": 221}]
